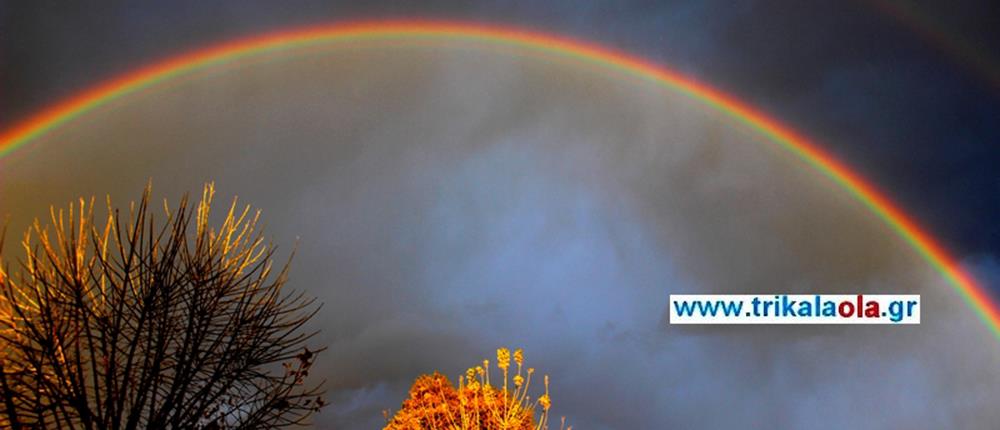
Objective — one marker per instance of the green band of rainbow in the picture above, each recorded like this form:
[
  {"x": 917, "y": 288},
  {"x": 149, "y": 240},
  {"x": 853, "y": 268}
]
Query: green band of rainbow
[{"x": 976, "y": 296}]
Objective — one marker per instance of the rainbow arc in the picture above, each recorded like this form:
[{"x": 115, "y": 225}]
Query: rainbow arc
[{"x": 974, "y": 294}]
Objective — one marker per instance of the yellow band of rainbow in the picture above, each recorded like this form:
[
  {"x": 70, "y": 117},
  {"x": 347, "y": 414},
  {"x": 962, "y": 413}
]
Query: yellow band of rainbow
[{"x": 975, "y": 295}]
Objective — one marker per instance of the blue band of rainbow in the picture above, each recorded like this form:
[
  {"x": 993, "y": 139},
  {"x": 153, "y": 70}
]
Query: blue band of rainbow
[{"x": 975, "y": 295}]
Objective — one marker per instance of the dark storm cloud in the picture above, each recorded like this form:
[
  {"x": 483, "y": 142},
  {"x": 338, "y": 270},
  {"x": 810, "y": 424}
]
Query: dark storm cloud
[
  {"x": 449, "y": 201},
  {"x": 867, "y": 82},
  {"x": 446, "y": 209}
]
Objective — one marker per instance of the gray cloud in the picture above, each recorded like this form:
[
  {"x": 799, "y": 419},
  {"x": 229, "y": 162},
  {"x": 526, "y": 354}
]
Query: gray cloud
[{"x": 449, "y": 198}]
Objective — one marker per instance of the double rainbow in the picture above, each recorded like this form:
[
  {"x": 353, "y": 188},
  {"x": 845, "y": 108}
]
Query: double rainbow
[{"x": 975, "y": 295}]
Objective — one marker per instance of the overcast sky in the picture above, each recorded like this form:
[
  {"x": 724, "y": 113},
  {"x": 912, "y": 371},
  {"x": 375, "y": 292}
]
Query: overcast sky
[
  {"x": 908, "y": 95},
  {"x": 451, "y": 199}
]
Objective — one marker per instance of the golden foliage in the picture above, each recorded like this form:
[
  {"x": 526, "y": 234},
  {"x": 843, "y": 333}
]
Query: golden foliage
[
  {"x": 140, "y": 322},
  {"x": 476, "y": 404}
]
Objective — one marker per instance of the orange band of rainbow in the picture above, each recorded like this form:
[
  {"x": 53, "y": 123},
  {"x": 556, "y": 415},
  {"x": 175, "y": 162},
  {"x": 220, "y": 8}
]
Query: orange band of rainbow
[{"x": 976, "y": 296}]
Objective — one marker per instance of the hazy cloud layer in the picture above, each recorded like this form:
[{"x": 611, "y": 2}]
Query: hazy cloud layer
[{"x": 450, "y": 199}]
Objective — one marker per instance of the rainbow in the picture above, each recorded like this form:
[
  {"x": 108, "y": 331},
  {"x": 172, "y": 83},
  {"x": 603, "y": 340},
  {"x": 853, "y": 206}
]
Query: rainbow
[
  {"x": 929, "y": 28},
  {"x": 975, "y": 295}
]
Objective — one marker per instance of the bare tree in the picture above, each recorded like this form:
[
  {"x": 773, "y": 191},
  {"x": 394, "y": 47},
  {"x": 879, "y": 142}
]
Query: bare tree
[{"x": 136, "y": 324}]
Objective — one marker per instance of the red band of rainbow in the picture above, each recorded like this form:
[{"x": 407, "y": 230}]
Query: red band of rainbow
[{"x": 975, "y": 295}]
